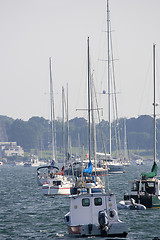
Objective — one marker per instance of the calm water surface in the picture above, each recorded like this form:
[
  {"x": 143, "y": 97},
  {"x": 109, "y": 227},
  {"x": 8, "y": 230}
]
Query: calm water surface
[{"x": 26, "y": 214}]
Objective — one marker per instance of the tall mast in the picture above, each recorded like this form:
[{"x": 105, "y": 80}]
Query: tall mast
[
  {"x": 93, "y": 123},
  {"x": 67, "y": 126},
  {"x": 63, "y": 130},
  {"x": 154, "y": 104},
  {"x": 89, "y": 110},
  {"x": 52, "y": 112},
  {"x": 125, "y": 140},
  {"x": 109, "y": 90}
]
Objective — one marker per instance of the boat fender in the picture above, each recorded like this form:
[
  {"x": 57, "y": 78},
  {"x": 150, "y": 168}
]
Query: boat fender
[{"x": 113, "y": 213}]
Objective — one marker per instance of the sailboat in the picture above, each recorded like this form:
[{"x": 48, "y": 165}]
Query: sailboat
[
  {"x": 96, "y": 170},
  {"x": 114, "y": 165},
  {"x": 146, "y": 190},
  {"x": 79, "y": 166},
  {"x": 94, "y": 213},
  {"x": 45, "y": 173},
  {"x": 89, "y": 179},
  {"x": 54, "y": 182}
]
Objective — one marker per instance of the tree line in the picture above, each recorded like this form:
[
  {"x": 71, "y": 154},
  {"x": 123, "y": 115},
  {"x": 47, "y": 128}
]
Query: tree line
[{"x": 36, "y": 133}]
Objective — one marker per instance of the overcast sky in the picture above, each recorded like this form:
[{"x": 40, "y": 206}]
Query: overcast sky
[{"x": 31, "y": 31}]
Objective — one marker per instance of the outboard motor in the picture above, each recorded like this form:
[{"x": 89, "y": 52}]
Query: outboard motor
[{"x": 103, "y": 222}]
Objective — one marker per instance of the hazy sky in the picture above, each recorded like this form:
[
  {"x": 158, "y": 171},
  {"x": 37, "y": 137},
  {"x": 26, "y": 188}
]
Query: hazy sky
[{"x": 31, "y": 31}]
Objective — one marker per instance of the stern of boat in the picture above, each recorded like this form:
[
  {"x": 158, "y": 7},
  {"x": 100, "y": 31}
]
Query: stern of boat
[{"x": 117, "y": 229}]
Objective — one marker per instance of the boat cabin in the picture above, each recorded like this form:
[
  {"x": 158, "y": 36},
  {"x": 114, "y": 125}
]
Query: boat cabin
[
  {"x": 84, "y": 208},
  {"x": 145, "y": 191},
  {"x": 149, "y": 186},
  {"x": 57, "y": 183}
]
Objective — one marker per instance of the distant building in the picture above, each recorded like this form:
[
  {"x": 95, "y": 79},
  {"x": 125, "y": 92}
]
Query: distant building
[{"x": 9, "y": 149}]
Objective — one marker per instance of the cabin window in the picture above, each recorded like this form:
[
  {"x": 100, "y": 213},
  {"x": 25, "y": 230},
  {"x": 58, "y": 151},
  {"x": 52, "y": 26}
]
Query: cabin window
[
  {"x": 98, "y": 201},
  {"x": 135, "y": 186},
  {"x": 85, "y": 202},
  {"x": 150, "y": 187}
]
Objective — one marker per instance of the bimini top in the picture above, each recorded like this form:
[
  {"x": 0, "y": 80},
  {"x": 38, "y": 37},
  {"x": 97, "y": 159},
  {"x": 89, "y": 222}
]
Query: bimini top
[{"x": 48, "y": 166}]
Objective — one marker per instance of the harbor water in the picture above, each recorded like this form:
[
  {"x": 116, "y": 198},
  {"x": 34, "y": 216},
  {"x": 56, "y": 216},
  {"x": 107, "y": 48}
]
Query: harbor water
[{"x": 26, "y": 214}]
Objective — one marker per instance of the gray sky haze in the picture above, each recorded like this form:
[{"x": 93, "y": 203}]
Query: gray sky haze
[{"x": 34, "y": 30}]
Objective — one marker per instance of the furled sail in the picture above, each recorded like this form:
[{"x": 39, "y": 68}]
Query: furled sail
[
  {"x": 89, "y": 169},
  {"x": 153, "y": 172}
]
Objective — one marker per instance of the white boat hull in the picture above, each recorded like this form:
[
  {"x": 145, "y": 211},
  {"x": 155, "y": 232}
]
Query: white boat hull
[
  {"x": 55, "y": 190},
  {"x": 59, "y": 185},
  {"x": 115, "y": 168},
  {"x": 115, "y": 230}
]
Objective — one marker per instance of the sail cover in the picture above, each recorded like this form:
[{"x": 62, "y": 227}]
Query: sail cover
[
  {"x": 153, "y": 172},
  {"x": 89, "y": 169}
]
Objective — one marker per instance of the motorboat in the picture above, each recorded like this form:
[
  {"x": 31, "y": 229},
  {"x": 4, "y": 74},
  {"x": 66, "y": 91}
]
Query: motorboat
[
  {"x": 94, "y": 214},
  {"x": 146, "y": 190},
  {"x": 130, "y": 205},
  {"x": 139, "y": 162}
]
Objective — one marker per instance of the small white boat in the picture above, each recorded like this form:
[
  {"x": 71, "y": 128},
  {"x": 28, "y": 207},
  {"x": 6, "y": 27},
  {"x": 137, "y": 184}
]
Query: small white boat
[
  {"x": 1, "y": 163},
  {"x": 111, "y": 165},
  {"x": 115, "y": 166},
  {"x": 94, "y": 214},
  {"x": 139, "y": 162},
  {"x": 58, "y": 185},
  {"x": 130, "y": 205}
]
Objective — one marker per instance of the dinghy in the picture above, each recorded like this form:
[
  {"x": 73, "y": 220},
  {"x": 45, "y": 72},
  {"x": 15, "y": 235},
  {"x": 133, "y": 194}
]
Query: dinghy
[{"x": 130, "y": 205}]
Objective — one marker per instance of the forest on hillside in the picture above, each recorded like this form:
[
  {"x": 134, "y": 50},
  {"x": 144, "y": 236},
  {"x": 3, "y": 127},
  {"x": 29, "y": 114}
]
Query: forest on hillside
[{"x": 36, "y": 133}]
